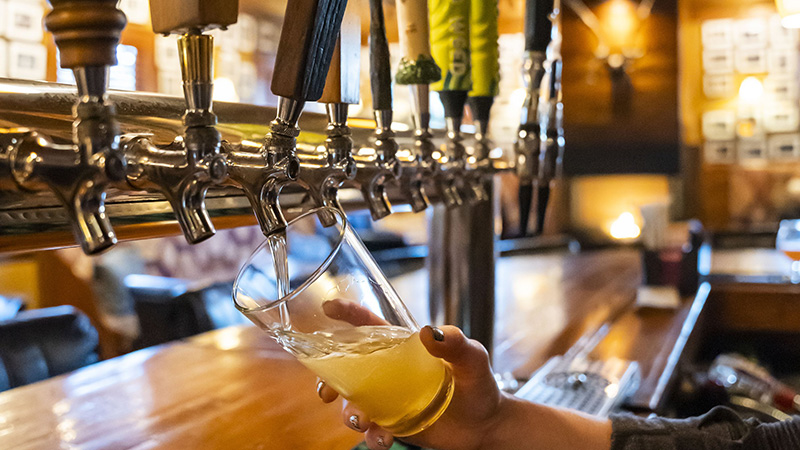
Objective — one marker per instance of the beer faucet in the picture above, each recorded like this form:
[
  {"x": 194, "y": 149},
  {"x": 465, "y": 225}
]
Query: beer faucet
[
  {"x": 308, "y": 38},
  {"x": 551, "y": 120},
  {"x": 485, "y": 55},
  {"x": 86, "y": 34},
  {"x": 538, "y": 28},
  {"x": 184, "y": 170},
  {"x": 323, "y": 170},
  {"x": 417, "y": 69},
  {"x": 378, "y": 165},
  {"x": 450, "y": 44}
]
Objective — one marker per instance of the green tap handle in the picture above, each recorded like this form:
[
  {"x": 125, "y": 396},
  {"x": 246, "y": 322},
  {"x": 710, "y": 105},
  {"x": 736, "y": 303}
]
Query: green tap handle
[{"x": 483, "y": 35}]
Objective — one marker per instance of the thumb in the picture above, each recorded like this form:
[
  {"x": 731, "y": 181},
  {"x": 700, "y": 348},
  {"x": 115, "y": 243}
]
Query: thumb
[{"x": 467, "y": 357}]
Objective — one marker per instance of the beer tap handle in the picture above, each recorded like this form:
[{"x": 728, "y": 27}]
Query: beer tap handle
[
  {"x": 380, "y": 73},
  {"x": 538, "y": 30},
  {"x": 308, "y": 38},
  {"x": 537, "y": 24},
  {"x": 342, "y": 87},
  {"x": 86, "y": 33},
  {"x": 450, "y": 47},
  {"x": 551, "y": 118}
]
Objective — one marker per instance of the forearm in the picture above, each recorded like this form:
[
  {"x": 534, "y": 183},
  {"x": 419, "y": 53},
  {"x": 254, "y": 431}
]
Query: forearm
[{"x": 524, "y": 425}]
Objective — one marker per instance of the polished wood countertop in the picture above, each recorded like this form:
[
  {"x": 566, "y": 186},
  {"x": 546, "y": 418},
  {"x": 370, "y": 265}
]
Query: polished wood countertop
[{"x": 236, "y": 389}]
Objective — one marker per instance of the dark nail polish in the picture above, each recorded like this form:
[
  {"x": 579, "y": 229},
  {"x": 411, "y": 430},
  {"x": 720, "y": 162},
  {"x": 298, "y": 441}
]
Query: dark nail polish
[
  {"x": 354, "y": 422},
  {"x": 438, "y": 335}
]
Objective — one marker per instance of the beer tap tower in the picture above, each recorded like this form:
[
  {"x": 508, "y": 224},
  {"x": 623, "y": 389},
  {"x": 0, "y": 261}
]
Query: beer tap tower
[
  {"x": 87, "y": 34},
  {"x": 461, "y": 240}
]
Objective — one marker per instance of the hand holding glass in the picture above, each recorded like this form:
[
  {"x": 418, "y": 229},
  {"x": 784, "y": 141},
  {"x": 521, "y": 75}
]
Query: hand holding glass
[{"x": 315, "y": 288}]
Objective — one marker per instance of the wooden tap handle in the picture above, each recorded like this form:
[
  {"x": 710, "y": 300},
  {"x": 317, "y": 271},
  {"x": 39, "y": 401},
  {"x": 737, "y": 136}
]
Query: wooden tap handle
[
  {"x": 180, "y": 16},
  {"x": 380, "y": 73},
  {"x": 309, "y": 34},
  {"x": 344, "y": 76},
  {"x": 86, "y": 31}
]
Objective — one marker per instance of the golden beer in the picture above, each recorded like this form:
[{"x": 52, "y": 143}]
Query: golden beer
[{"x": 385, "y": 371}]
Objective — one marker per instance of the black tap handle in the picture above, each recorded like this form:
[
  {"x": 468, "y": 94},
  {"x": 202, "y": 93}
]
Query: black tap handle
[
  {"x": 537, "y": 24},
  {"x": 380, "y": 72}
]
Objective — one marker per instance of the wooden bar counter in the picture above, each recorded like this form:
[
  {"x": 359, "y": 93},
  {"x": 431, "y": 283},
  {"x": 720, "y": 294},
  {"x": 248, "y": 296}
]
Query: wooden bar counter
[{"x": 236, "y": 389}]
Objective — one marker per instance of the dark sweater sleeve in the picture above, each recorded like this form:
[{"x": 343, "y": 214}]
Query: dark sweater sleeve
[{"x": 719, "y": 429}]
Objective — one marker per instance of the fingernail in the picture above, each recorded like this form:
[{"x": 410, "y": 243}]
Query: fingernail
[
  {"x": 354, "y": 422},
  {"x": 320, "y": 385},
  {"x": 381, "y": 442},
  {"x": 438, "y": 335}
]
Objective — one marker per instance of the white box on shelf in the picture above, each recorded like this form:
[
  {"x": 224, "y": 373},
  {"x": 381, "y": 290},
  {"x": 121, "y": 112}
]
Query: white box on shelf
[
  {"x": 166, "y": 48},
  {"x": 781, "y": 117},
  {"x": 780, "y": 37},
  {"x": 3, "y": 58},
  {"x": 750, "y": 60},
  {"x": 719, "y": 86},
  {"x": 227, "y": 40},
  {"x": 268, "y": 35},
  {"x": 229, "y": 65},
  {"x": 717, "y": 34},
  {"x": 780, "y": 87},
  {"x": 248, "y": 82},
  {"x": 27, "y": 61},
  {"x": 719, "y": 125},
  {"x": 784, "y": 146},
  {"x": 248, "y": 33},
  {"x": 170, "y": 82},
  {"x": 3, "y": 13},
  {"x": 752, "y": 150},
  {"x": 750, "y": 33},
  {"x": 24, "y": 21},
  {"x": 718, "y": 61},
  {"x": 782, "y": 60},
  {"x": 719, "y": 152},
  {"x": 137, "y": 11}
]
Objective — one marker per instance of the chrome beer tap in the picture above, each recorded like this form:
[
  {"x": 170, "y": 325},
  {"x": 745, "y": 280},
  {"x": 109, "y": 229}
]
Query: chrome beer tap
[
  {"x": 377, "y": 165},
  {"x": 184, "y": 170},
  {"x": 86, "y": 34},
  {"x": 305, "y": 50},
  {"x": 538, "y": 28}
]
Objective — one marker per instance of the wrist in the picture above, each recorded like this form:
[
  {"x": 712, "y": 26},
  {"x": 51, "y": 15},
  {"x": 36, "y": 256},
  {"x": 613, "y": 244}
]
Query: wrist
[{"x": 520, "y": 424}]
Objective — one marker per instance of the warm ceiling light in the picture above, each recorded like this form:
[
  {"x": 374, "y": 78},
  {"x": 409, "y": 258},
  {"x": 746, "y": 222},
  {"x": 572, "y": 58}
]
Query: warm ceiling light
[{"x": 790, "y": 13}]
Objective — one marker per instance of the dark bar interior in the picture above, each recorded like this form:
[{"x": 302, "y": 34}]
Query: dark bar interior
[{"x": 227, "y": 224}]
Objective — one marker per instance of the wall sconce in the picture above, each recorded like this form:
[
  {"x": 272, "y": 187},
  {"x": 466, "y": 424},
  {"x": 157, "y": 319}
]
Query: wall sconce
[
  {"x": 790, "y": 13},
  {"x": 616, "y": 24}
]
